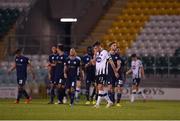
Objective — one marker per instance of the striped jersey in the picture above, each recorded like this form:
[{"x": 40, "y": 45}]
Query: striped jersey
[
  {"x": 136, "y": 67},
  {"x": 102, "y": 62}
]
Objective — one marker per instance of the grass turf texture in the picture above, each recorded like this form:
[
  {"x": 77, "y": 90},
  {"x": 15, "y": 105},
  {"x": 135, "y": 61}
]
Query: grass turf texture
[{"x": 39, "y": 109}]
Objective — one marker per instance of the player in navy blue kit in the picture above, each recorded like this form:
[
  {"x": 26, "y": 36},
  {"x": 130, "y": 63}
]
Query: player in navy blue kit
[
  {"x": 59, "y": 72},
  {"x": 72, "y": 66},
  {"x": 51, "y": 73},
  {"x": 112, "y": 80},
  {"x": 21, "y": 64},
  {"x": 89, "y": 69}
]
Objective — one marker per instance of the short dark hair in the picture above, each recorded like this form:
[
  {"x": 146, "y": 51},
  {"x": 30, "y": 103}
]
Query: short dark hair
[
  {"x": 97, "y": 43},
  {"x": 60, "y": 46},
  {"x": 111, "y": 43},
  {"x": 18, "y": 51},
  {"x": 133, "y": 55}
]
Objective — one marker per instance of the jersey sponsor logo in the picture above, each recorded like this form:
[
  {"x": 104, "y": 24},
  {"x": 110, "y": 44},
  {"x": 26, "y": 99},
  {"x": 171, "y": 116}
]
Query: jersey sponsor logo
[{"x": 98, "y": 59}]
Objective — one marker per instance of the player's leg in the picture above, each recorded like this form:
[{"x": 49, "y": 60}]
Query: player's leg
[
  {"x": 119, "y": 92},
  {"x": 78, "y": 90},
  {"x": 102, "y": 93},
  {"x": 133, "y": 93},
  {"x": 21, "y": 83},
  {"x": 52, "y": 92},
  {"x": 72, "y": 92},
  {"x": 88, "y": 84},
  {"x": 60, "y": 93},
  {"x": 139, "y": 91},
  {"x": 94, "y": 93},
  {"x": 19, "y": 95}
]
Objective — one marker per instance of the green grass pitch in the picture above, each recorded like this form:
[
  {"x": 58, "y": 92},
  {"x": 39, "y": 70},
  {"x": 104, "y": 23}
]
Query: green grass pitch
[{"x": 39, "y": 109}]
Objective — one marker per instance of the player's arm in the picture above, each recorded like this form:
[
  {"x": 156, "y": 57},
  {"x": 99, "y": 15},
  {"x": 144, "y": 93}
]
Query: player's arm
[
  {"x": 128, "y": 72},
  {"x": 31, "y": 70},
  {"x": 118, "y": 65},
  {"x": 12, "y": 68},
  {"x": 142, "y": 70},
  {"x": 65, "y": 71},
  {"x": 113, "y": 67}
]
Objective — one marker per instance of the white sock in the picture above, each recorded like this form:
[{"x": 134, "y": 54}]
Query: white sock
[
  {"x": 142, "y": 94},
  {"x": 99, "y": 97},
  {"x": 133, "y": 95},
  {"x": 107, "y": 97},
  {"x": 77, "y": 92}
]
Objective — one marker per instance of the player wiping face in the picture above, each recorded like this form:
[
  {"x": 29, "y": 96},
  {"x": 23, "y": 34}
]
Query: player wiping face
[{"x": 102, "y": 59}]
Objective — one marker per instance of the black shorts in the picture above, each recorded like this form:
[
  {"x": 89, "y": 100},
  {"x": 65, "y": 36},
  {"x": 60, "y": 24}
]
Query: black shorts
[
  {"x": 111, "y": 80},
  {"x": 21, "y": 81},
  {"x": 59, "y": 79},
  {"x": 119, "y": 82},
  {"x": 71, "y": 83},
  {"x": 136, "y": 81},
  {"x": 101, "y": 79}
]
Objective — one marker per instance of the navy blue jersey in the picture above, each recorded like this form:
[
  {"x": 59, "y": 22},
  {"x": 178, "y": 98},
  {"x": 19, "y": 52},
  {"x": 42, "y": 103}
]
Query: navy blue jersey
[
  {"x": 21, "y": 66},
  {"x": 52, "y": 59},
  {"x": 115, "y": 57},
  {"x": 73, "y": 66},
  {"x": 60, "y": 61},
  {"x": 90, "y": 70}
]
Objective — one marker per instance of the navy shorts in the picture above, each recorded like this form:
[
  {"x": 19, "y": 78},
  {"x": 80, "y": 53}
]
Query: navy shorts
[
  {"x": 71, "y": 83},
  {"x": 111, "y": 80},
  {"x": 59, "y": 79},
  {"x": 136, "y": 81},
  {"x": 101, "y": 79},
  {"x": 21, "y": 81},
  {"x": 119, "y": 82}
]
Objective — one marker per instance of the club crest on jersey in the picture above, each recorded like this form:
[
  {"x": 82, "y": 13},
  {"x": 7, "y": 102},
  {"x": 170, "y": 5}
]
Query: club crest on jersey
[
  {"x": 21, "y": 60},
  {"x": 74, "y": 62}
]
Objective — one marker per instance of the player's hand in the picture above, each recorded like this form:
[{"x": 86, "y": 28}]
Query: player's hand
[
  {"x": 117, "y": 75},
  {"x": 9, "y": 72},
  {"x": 65, "y": 76}
]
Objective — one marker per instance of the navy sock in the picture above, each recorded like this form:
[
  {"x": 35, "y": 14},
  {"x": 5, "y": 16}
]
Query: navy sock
[
  {"x": 93, "y": 93},
  {"x": 118, "y": 97},
  {"x": 110, "y": 95},
  {"x": 72, "y": 95},
  {"x": 19, "y": 95},
  {"x": 25, "y": 94},
  {"x": 60, "y": 95},
  {"x": 52, "y": 94}
]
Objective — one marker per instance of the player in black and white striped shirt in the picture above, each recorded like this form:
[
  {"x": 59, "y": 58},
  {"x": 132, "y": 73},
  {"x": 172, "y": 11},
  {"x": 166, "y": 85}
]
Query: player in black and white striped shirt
[{"x": 102, "y": 58}]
